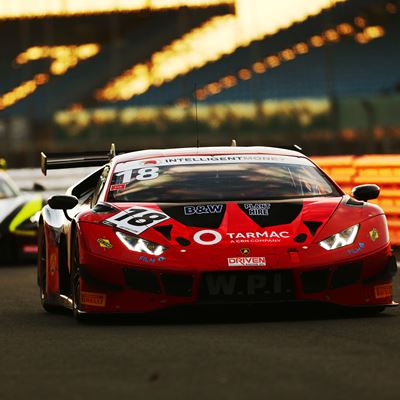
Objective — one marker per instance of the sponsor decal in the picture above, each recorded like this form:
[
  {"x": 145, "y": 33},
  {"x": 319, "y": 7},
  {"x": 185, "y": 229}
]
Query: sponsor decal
[
  {"x": 93, "y": 299},
  {"x": 235, "y": 158},
  {"x": 104, "y": 243},
  {"x": 196, "y": 216},
  {"x": 151, "y": 259},
  {"x": 278, "y": 214},
  {"x": 361, "y": 245},
  {"x": 136, "y": 219},
  {"x": 207, "y": 209},
  {"x": 246, "y": 262},
  {"x": 250, "y": 284},
  {"x": 257, "y": 208},
  {"x": 149, "y": 162},
  {"x": 258, "y": 237},
  {"x": 207, "y": 237},
  {"x": 222, "y": 284},
  {"x": 53, "y": 263},
  {"x": 226, "y": 159},
  {"x": 119, "y": 186},
  {"x": 374, "y": 234},
  {"x": 382, "y": 291},
  {"x": 245, "y": 251}
]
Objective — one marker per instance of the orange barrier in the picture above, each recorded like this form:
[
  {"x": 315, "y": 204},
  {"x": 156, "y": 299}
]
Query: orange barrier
[
  {"x": 340, "y": 168},
  {"x": 383, "y": 170}
]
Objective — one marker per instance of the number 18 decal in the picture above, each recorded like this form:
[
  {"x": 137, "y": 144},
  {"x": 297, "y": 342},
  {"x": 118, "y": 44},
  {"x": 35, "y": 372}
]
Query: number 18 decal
[
  {"x": 143, "y": 174},
  {"x": 136, "y": 219}
]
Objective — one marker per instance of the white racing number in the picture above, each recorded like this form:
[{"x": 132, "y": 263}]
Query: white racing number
[
  {"x": 136, "y": 219},
  {"x": 143, "y": 174},
  {"x": 126, "y": 176}
]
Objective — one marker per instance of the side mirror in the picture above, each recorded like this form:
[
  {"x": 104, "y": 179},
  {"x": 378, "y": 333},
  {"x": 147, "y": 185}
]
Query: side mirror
[
  {"x": 366, "y": 192},
  {"x": 62, "y": 202}
]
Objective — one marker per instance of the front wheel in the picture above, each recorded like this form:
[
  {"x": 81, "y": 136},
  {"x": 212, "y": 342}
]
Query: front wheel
[
  {"x": 42, "y": 274},
  {"x": 76, "y": 281}
]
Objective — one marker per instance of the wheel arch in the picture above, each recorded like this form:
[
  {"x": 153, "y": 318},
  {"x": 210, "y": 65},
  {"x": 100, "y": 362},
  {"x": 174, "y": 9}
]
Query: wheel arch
[
  {"x": 71, "y": 234},
  {"x": 53, "y": 224}
]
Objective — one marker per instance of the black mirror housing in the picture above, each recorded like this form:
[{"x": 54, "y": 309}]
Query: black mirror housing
[
  {"x": 38, "y": 187},
  {"x": 62, "y": 202},
  {"x": 366, "y": 192}
]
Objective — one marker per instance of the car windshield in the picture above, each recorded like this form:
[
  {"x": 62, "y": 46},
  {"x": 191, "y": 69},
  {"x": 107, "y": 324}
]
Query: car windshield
[
  {"x": 230, "y": 178},
  {"x": 6, "y": 189}
]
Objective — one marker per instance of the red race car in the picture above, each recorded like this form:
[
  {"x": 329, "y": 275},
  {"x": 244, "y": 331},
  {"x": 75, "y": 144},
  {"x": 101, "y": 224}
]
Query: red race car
[{"x": 162, "y": 228}]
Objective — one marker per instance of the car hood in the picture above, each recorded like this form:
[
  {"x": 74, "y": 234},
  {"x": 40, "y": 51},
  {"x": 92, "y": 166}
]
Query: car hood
[
  {"x": 272, "y": 223},
  {"x": 271, "y": 234}
]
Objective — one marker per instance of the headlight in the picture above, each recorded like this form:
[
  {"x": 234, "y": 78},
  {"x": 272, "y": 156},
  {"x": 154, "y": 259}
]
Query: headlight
[
  {"x": 135, "y": 243},
  {"x": 340, "y": 239}
]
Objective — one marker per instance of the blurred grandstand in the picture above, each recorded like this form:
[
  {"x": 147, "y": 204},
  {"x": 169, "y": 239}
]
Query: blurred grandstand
[{"x": 321, "y": 73}]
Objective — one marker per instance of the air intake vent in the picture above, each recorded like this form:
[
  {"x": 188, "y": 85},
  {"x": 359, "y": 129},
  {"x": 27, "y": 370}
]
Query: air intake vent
[
  {"x": 177, "y": 285},
  {"x": 346, "y": 275},
  {"x": 315, "y": 281},
  {"x": 142, "y": 281}
]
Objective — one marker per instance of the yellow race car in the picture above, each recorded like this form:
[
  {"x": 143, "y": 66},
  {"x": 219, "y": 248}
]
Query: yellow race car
[{"x": 18, "y": 227}]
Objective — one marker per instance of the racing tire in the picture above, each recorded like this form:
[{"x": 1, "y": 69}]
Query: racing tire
[
  {"x": 76, "y": 282},
  {"x": 41, "y": 275}
]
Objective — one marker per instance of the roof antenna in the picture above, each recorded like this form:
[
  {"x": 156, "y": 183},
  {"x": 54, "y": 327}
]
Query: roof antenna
[
  {"x": 112, "y": 152},
  {"x": 196, "y": 116},
  {"x": 233, "y": 143}
]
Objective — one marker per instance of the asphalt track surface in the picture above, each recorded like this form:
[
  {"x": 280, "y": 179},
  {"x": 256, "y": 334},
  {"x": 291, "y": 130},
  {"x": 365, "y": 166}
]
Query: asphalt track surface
[{"x": 236, "y": 354}]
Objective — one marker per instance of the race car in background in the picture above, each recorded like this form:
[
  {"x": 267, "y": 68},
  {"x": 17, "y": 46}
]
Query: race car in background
[
  {"x": 18, "y": 221},
  {"x": 162, "y": 228}
]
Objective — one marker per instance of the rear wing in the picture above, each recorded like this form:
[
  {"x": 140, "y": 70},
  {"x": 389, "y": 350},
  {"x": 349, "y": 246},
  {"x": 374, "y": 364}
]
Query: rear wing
[{"x": 75, "y": 160}]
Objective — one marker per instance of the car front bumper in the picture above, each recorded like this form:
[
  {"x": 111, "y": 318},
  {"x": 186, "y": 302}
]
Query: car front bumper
[{"x": 110, "y": 287}]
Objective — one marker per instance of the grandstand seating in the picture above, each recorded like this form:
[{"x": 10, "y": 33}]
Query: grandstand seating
[
  {"x": 343, "y": 63},
  {"x": 133, "y": 41},
  {"x": 337, "y": 69}
]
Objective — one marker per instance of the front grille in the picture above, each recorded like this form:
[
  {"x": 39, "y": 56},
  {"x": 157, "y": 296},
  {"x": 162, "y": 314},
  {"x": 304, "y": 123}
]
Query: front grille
[
  {"x": 142, "y": 281},
  {"x": 315, "y": 281},
  {"x": 346, "y": 275},
  {"x": 387, "y": 273},
  {"x": 177, "y": 285},
  {"x": 247, "y": 286}
]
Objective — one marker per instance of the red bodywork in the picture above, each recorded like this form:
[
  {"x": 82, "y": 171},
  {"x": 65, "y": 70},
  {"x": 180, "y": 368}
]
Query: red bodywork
[{"x": 210, "y": 265}]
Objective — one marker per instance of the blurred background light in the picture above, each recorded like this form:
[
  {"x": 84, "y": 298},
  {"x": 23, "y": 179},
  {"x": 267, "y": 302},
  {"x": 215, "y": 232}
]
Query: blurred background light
[
  {"x": 45, "y": 8},
  {"x": 217, "y": 37}
]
